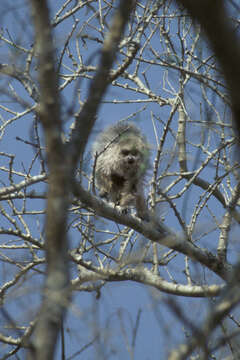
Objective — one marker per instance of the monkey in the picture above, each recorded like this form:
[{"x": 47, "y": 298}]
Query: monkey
[{"x": 122, "y": 160}]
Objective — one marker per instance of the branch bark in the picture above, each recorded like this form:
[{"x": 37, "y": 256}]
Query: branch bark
[
  {"x": 62, "y": 161},
  {"x": 158, "y": 233},
  {"x": 212, "y": 16},
  {"x": 56, "y": 288},
  {"x": 87, "y": 117}
]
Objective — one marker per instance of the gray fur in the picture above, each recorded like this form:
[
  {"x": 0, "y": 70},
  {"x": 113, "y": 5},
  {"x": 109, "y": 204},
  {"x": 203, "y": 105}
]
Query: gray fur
[{"x": 121, "y": 164}]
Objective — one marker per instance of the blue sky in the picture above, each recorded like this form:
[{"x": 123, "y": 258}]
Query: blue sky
[{"x": 116, "y": 311}]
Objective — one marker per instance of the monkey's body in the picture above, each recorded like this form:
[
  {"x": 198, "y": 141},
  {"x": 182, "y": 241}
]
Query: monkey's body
[{"x": 122, "y": 162}]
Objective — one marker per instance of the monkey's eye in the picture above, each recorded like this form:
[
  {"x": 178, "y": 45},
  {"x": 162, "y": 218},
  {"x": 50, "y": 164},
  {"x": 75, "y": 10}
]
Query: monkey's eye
[{"x": 125, "y": 152}]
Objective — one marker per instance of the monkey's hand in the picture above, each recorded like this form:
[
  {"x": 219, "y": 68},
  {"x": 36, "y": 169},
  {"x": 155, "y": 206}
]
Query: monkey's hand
[{"x": 104, "y": 195}]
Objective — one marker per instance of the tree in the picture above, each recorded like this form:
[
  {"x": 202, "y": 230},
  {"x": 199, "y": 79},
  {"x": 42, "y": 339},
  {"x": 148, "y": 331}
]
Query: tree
[{"x": 66, "y": 68}]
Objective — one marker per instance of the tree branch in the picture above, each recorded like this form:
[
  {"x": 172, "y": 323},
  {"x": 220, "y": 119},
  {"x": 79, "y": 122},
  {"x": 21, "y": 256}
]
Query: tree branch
[
  {"x": 57, "y": 282},
  {"x": 223, "y": 39}
]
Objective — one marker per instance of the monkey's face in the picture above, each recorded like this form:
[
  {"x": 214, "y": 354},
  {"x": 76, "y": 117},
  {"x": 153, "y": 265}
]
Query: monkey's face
[{"x": 129, "y": 160}]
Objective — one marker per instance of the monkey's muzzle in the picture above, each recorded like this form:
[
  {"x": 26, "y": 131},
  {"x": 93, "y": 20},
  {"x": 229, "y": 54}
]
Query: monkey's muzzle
[{"x": 131, "y": 160}]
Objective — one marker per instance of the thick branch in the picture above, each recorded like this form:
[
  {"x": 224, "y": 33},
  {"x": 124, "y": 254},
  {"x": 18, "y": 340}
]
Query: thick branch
[
  {"x": 56, "y": 289},
  {"x": 158, "y": 233},
  {"x": 144, "y": 276},
  {"x": 224, "y": 42},
  {"x": 87, "y": 117}
]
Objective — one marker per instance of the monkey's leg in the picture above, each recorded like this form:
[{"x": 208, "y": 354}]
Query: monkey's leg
[{"x": 141, "y": 207}]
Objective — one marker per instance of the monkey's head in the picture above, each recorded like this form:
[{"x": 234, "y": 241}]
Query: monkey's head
[
  {"x": 130, "y": 157},
  {"x": 123, "y": 151}
]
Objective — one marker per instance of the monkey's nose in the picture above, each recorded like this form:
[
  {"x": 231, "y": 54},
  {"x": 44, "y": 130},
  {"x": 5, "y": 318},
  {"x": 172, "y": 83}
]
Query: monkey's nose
[{"x": 130, "y": 160}]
